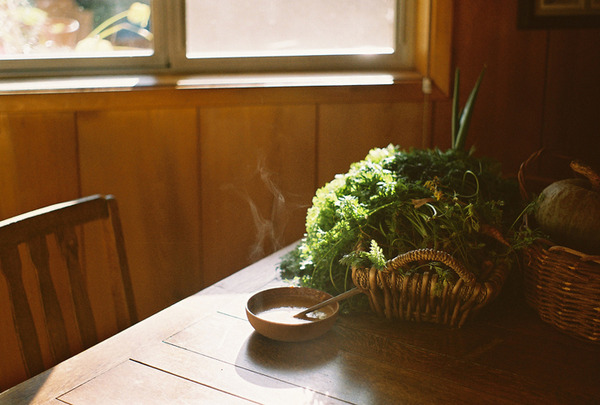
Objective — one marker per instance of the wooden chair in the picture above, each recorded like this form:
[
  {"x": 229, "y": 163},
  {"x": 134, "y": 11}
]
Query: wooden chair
[{"x": 28, "y": 243}]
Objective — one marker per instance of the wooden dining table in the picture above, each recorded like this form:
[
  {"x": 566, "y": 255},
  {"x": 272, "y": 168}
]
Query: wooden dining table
[{"x": 203, "y": 350}]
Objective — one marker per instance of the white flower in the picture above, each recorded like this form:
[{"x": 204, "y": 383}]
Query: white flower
[
  {"x": 139, "y": 14},
  {"x": 31, "y": 16},
  {"x": 94, "y": 44}
]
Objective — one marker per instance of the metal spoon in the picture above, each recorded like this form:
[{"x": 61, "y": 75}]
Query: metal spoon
[{"x": 337, "y": 298}]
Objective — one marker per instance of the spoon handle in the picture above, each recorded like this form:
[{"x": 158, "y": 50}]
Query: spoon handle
[{"x": 337, "y": 298}]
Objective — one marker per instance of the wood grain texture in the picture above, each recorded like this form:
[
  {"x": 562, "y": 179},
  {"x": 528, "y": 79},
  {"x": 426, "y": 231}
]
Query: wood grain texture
[
  {"x": 506, "y": 123},
  {"x": 68, "y": 241},
  {"x": 539, "y": 88},
  {"x": 506, "y": 355},
  {"x": 149, "y": 160},
  {"x": 441, "y": 41},
  {"x": 335, "y": 364},
  {"x": 45, "y": 322},
  {"x": 28, "y": 345},
  {"x": 422, "y": 33},
  {"x": 38, "y": 161},
  {"x": 571, "y": 107},
  {"x": 157, "y": 387},
  {"x": 257, "y": 182},
  {"x": 38, "y": 167},
  {"x": 231, "y": 377},
  {"x": 167, "y": 93},
  {"x": 57, "y": 330},
  {"x": 347, "y": 132}
]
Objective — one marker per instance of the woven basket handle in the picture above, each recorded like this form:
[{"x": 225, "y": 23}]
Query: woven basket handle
[
  {"x": 527, "y": 171},
  {"x": 587, "y": 171},
  {"x": 433, "y": 256},
  {"x": 521, "y": 177}
]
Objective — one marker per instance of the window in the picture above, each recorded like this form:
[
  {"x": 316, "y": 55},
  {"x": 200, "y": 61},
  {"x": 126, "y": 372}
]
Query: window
[
  {"x": 54, "y": 36},
  {"x": 149, "y": 36}
]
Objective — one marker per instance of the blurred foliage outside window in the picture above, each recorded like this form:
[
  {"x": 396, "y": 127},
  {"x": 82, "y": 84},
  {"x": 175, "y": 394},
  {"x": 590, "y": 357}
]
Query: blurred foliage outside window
[{"x": 73, "y": 28}]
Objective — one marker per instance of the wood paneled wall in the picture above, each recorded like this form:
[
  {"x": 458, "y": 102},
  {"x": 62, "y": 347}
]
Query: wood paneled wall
[
  {"x": 204, "y": 188},
  {"x": 209, "y": 180},
  {"x": 148, "y": 159},
  {"x": 541, "y": 87}
]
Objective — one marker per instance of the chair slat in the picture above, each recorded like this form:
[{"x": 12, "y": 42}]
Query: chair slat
[
  {"x": 121, "y": 284},
  {"x": 69, "y": 247},
  {"x": 10, "y": 261},
  {"x": 38, "y": 251}
]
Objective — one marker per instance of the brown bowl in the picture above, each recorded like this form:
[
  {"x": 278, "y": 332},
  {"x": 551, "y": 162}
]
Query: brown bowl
[{"x": 270, "y": 313}]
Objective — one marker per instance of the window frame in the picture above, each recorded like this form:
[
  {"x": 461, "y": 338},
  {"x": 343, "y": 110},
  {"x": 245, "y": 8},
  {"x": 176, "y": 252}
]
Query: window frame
[
  {"x": 169, "y": 57},
  {"x": 54, "y": 66},
  {"x": 402, "y": 59}
]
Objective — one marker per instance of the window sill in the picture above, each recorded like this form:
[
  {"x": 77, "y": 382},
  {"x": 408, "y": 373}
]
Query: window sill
[
  {"x": 88, "y": 93},
  {"x": 120, "y": 83}
]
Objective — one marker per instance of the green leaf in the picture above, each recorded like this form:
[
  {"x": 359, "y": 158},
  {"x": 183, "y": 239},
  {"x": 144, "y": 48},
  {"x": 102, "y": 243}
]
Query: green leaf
[
  {"x": 455, "y": 108},
  {"x": 376, "y": 255},
  {"x": 465, "y": 116}
]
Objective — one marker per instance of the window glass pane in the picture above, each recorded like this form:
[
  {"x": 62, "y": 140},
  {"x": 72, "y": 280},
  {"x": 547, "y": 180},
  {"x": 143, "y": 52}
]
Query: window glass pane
[
  {"x": 41, "y": 29},
  {"x": 233, "y": 28}
]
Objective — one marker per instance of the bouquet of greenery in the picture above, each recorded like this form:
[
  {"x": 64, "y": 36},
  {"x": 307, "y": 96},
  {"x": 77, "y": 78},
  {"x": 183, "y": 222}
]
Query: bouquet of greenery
[{"x": 396, "y": 201}]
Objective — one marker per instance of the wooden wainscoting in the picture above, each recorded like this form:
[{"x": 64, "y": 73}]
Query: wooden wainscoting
[
  {"x": 207, "y": 181},
  {"x": 149, "y": 160}
]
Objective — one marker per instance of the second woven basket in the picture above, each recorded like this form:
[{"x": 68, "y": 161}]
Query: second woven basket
[{"x": 560, "y": 283}]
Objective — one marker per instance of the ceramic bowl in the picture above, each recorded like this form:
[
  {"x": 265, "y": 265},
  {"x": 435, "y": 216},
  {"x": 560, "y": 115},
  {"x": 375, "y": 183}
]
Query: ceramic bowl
[{"x": 271, "y": 311}]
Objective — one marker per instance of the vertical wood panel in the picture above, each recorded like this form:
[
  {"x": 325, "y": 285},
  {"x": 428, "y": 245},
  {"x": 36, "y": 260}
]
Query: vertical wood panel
[
  {"x": 348, "y": 131},
  {"x": 507, "y": 118},
  {"x": 441, "y": 44},
  {"x": 38, "y": 167},
  {"x": 422, "y": 33},
  {"x": 149, "y": 161},
  {"x": 258, "y": 170},
  {"x": 441, "y": 125},
  {"x": 572, "y": 110},
  {"x": 38, "y": 161}
]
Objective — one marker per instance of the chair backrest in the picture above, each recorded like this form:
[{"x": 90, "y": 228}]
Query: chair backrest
[{"x": 57, "y": 236}]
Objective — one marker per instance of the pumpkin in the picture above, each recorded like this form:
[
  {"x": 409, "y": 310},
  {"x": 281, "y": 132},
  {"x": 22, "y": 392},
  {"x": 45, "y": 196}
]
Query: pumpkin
[{"x": 569, "y": 211}]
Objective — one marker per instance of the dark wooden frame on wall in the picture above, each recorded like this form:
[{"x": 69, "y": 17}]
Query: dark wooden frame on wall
[{"x": 529, "y": 18}]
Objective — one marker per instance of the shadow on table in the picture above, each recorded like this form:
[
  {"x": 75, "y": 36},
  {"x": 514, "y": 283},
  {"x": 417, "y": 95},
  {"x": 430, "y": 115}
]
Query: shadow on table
[{"x": 266, "y": 354}]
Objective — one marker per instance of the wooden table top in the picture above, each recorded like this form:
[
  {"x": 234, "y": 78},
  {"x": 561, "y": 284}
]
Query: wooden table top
[{"x": 203, "y": 349}]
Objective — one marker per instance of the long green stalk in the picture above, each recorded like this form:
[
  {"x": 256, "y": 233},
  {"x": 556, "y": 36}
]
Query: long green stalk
[
  {"x": 465, "y": 116},
  {"x": 107, "y": 23},
  {"x": 455, "y": 97}
]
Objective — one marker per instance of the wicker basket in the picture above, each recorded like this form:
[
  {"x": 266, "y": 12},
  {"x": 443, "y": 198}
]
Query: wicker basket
[
  {"x": 561, "y": 284},
  {"x": 423, "y": 297}
]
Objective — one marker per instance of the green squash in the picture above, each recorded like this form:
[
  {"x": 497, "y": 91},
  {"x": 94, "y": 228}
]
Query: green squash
[{"x": 569, "y": 211}]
